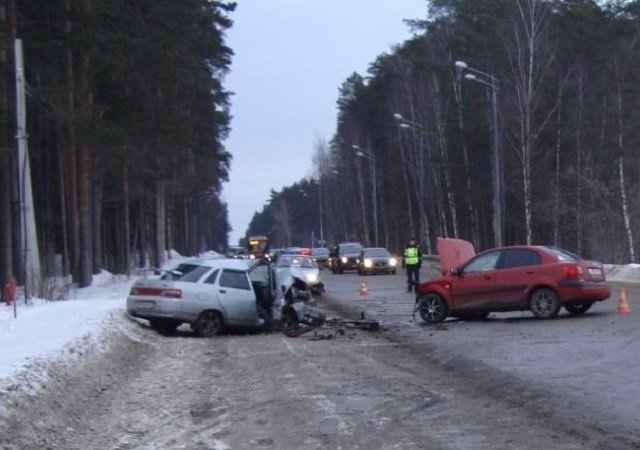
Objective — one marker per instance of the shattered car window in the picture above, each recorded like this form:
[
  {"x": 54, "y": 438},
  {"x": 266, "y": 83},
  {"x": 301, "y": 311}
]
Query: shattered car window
[{"x": 260, "y": 274}]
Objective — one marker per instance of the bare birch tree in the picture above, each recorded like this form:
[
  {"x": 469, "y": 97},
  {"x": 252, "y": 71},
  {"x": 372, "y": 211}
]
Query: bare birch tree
[
  {"x": 620, "y": 161},
  {"x": 529, "y": 61}
]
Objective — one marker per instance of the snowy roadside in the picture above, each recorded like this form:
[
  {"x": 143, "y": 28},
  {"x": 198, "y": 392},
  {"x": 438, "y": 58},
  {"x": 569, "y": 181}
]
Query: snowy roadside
[
  {"x": 47, "y": 333},
  {"x": 629, "y": 273}
]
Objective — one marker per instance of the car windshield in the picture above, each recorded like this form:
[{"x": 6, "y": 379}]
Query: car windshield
[
  {"x": 320, "y": 252},
  {"x": 305, "y": 263},
  {"x": 284, "y": 261},
  {"x": 297, "y": 261},
  {"x": 376, "y": 252},
  {"x": 351, "y": 248}
]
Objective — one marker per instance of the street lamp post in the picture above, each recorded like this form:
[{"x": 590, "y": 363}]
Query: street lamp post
[
  {"x": 320, "y": 213},
  {"x": 410, "y": 124},
  {"x": 320, "y": 208},
  {"x": 490, "y": 81},
  {"x": 371, "y": 157}
]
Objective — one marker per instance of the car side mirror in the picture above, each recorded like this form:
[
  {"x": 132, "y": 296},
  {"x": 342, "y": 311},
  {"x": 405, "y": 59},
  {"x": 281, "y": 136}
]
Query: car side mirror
[{"x": 456, "y": 271}]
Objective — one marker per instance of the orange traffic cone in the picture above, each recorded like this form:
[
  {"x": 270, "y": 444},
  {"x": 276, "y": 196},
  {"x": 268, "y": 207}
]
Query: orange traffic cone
[
  {"x": 623, "y": 305},
  {"x": 363, "y": 290}
]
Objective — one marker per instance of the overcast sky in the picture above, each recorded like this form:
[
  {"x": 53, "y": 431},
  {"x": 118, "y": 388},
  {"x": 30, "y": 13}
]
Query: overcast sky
[{"x": 291, "y": 56}]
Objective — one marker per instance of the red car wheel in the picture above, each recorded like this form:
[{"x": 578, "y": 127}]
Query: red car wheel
[
  {"x": 432, "y": 308},
  {"x": 544, "y": 303}
]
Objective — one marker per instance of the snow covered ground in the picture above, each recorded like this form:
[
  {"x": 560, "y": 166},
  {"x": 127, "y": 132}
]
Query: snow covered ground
[
  {"x": 62, "y": 330},
  {"x": 34, "y": 336},
  {"x": 43, "y": 330}
]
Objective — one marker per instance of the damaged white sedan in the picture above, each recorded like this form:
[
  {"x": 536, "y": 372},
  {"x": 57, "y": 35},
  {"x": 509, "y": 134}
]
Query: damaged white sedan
[
  {"x": 212, "y": 294},
  {"x": 303, "y": 267}
]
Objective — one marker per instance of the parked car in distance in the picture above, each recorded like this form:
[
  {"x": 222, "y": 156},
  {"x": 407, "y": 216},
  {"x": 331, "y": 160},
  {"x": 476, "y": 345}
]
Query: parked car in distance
[
  {"x": 538, "y": 278},
  {"x": 302, "y": 267},
  {"x": 345, "y": 256},
  {"x": 274, "y": 253},
  {"x": 236, "y": 252},
  {"x": 376, "y": 260},
  {"x": 321, "y": 255},
  {"x": 212, "y": 294},
  {"x": 297, "y": 251}
]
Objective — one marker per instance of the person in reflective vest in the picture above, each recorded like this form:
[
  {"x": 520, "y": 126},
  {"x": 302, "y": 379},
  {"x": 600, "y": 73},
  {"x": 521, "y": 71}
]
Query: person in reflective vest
[{"x": 412, "y": 261}]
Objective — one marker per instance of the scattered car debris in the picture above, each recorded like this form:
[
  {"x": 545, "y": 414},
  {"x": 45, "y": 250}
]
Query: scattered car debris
[{"x": 329, "y": 328}]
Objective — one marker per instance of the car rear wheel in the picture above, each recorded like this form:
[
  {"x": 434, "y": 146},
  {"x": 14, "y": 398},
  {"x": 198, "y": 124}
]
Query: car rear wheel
[
  {"x": 432, "y": 308},
  {"x": 209, "y": 323},
  {"x": 544, "y": 303},
  {"x": 577, "y": 308}
]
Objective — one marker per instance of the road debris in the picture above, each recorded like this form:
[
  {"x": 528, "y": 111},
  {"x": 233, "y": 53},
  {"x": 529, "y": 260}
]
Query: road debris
[{"x": 324, "y": 329}]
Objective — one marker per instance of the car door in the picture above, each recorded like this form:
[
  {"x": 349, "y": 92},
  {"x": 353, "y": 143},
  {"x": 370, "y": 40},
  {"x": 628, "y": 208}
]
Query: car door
[
  {"x": 473, "y": 286},
  {"x": 186, "y": 277},
  {"x": 262, "y": 284},
  {"x": 201, "y": 295},
  {"x": 236, "y": 297},
  {"x": 517, "y": 270}
]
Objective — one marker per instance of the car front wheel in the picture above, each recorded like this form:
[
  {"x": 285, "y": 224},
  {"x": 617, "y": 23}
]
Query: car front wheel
[
  {"x": 209, "y": 323},
  {"x": 544, "y": 303},
  {"x": 577, "y": 308},
  {"x": 432, "y": 308}
]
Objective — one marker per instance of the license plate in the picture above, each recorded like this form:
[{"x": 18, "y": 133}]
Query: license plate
[
  {"x": 595, "y": 272},
  {"x": 146, "y": 305}
]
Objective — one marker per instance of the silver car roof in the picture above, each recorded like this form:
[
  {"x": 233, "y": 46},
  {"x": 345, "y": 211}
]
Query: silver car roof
[{"x": 224, "y": 263}]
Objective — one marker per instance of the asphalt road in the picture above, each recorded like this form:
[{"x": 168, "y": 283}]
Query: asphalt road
[{"x": 510, "y": 382}]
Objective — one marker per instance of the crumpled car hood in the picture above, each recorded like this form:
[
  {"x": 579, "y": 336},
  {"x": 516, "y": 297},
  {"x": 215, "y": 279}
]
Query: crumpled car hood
[{"x": 453, "y": 253}]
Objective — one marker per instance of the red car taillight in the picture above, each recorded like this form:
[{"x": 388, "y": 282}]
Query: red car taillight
[
  {"x": 156, "y": 292},
  {"x": 572, "y": 272}
]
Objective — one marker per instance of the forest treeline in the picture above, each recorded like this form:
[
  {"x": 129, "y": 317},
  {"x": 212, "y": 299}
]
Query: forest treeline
[
  {"x": 126, "y": 116},
  {"x": 565, "y": 77}
]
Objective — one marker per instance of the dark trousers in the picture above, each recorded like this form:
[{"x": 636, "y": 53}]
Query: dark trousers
[{"x": 413, "y": 277}]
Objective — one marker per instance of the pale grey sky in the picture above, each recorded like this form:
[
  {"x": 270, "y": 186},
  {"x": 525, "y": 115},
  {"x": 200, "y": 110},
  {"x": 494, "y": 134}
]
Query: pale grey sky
[{"x": 291, "y": 56}]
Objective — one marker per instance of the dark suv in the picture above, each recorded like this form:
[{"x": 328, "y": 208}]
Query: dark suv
[{"x": 345, "y": 256}]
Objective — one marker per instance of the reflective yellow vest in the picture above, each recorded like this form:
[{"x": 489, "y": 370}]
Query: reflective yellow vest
[{"x": 411, "y": 256}]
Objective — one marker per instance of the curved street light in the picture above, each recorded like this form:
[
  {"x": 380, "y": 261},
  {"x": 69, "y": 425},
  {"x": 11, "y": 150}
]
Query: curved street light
[
  {"x": 363, "y": 153},
  {"x": 491, "y": 82},
  {"x": 405, "y": 123}
]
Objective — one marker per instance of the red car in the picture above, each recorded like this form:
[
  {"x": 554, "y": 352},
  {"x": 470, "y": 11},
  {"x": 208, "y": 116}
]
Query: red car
[{"x": 537, "y": 278}]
